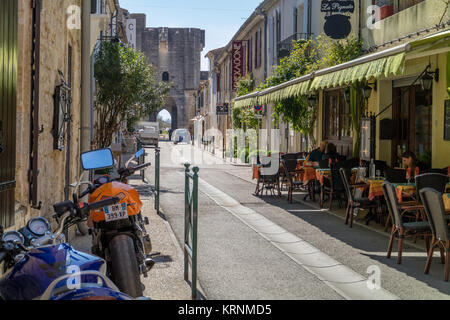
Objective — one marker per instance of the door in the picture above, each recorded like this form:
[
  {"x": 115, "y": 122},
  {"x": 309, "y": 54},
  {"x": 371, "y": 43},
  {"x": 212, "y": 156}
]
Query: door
[
  {"x": 412, "y": 114},
  {"x": 338, "y": 125},
  {"x": 8, "y": 82}
]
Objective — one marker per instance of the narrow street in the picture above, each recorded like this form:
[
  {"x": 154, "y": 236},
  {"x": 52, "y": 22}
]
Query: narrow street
[{"x": 304, "y": 253}]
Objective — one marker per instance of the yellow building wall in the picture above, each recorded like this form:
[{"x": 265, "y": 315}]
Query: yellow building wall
[
  {"x": 383, "y": 97},
  {"x": 441, "y": 148}
]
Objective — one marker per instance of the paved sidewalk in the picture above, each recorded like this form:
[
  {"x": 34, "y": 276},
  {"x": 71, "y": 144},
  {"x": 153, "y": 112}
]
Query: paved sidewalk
[{"x": 165, "y": 280}]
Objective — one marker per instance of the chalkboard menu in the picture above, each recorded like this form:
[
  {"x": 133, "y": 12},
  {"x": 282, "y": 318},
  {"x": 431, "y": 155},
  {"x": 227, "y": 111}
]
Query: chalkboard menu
[{"x": 447, "y": 120}]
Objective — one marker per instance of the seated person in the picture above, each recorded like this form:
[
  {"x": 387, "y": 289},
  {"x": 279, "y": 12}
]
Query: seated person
[
  {"x": 331, "y": 153},
  {"x": 317, "y": 154},
  {"x": 411, "y": 164}
]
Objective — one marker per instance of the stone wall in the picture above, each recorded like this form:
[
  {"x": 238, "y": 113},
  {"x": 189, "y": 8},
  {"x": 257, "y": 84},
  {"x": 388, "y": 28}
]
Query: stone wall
[{"x": 55, "y": 40}]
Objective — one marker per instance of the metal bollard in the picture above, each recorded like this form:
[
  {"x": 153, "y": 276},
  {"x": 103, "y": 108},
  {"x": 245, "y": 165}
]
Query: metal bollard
[
  {"x": 190, "y": 227},
  {"x": 157, "y": 173}
]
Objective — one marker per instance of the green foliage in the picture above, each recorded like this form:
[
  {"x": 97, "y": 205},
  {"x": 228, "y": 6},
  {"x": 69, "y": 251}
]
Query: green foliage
[
  {"x": 126, "y": 90},
  {"x": 245, "y": 118},
  {"x": 308, "y": 56}
]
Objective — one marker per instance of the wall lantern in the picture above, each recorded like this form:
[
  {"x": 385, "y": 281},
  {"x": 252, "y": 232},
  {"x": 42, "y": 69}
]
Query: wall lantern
[
  {"x": 347, "y": 96},
  {"x": 427, "y": 79},
  {"x": 312, "y": 100}
]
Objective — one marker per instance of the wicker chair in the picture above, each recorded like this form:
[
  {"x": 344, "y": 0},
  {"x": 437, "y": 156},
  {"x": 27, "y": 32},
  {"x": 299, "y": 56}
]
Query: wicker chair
[
  {"x": 269, "y": 180},
  {"x": 354, "y": 202},
  {"x": 292, "y": 184},
  {"x": 399, "y": 227},
  {"x": 434, "y": 208}
]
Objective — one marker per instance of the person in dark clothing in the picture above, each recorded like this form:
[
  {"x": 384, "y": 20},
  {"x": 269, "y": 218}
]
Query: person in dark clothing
[
  {"x": 170, "y": 134},
  {"x": 317, "y": 154},
  {"x": 331, "y": 152}
]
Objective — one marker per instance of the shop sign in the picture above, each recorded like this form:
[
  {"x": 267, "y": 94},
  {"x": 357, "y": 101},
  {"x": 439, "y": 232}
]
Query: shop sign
[
  {"x": 337, "y": 6},
  {"x": 237, "y": 63},
  {"x": 447, "y": 121}
]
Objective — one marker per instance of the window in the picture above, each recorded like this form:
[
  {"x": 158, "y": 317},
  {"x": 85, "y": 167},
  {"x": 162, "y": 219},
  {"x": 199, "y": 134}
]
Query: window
[
  {"x": 165, "y": 77},
  {"x": 258, "y": 50},
  {"x": 249, "y": 55}
]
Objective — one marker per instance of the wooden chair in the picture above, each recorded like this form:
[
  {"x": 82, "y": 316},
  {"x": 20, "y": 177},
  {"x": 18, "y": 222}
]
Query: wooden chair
[
  {"x": 399, "y": 227},
  {"x": 434, "y": 208},
  {"x": 352, "y": 201}
]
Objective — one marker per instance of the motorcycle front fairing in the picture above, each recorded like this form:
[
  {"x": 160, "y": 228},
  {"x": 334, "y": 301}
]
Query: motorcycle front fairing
[{"x": 31, "y": 276}]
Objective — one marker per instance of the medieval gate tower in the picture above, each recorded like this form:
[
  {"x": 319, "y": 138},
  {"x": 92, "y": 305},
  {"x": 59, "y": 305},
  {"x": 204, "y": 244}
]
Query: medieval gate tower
[{"x": 176, "y": 55}]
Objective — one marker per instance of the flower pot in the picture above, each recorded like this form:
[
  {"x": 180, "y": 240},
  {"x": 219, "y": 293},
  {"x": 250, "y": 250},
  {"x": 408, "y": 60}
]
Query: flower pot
[{"x": 386, "y": 11}]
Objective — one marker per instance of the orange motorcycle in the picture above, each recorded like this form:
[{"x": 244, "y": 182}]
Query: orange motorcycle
[{"x": 118, "y": 231}]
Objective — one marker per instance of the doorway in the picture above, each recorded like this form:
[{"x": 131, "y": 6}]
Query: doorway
[
  {"x": 412, "y": 115},
  {"x": 8, "y": 84},
  {"x": 338, "y": 125}
]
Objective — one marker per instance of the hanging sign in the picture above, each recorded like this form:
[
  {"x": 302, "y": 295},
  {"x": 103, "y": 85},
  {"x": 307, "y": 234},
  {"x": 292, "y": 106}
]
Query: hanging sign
[
  {"x": 237, "y": 63},
  {"x": 337, "y": 6},
  {"x": 258, "y": 108},
  {"x": 130, "y": 27},
  {"x": 222, "y": 109}
]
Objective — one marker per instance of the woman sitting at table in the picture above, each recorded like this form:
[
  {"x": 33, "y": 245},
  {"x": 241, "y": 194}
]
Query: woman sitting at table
[
  {"x": 331, "y": 153},
  {"x": 411, "y": 164}
]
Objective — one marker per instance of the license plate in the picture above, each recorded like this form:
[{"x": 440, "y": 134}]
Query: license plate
[{"x": 116, "y": 212}]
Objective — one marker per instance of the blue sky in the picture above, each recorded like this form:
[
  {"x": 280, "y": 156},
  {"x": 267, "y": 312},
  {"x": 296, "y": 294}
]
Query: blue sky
[{"x": 220, "y": 19}]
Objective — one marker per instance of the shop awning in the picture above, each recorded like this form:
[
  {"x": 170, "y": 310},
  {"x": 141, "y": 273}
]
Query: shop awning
[
  {"x": 389, "y": 62},
  {"x": 387, "y": 66}
]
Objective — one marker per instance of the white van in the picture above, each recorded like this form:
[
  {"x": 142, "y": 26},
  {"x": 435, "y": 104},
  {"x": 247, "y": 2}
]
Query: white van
[{"x": 180, "y": 136}]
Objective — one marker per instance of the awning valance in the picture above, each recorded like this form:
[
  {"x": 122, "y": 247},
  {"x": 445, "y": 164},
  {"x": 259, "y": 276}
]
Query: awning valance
[{"x": 387, "y": 66}]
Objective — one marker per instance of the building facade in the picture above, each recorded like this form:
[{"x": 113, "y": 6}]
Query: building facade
[
  {"x": 403, "y": 73},
  {"x": 176, "y": 55}
]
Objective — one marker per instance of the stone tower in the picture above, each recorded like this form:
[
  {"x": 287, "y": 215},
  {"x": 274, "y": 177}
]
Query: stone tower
[{"x": 176, "y": 55}]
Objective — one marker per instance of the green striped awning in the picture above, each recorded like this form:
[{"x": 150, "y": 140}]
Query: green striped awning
[
  {"x": 387, "y": 66},
  {"x": 247, "y": 102},
  {"x": 294, "y": 90}
]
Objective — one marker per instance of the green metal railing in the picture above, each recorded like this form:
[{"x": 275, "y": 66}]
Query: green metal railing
[
  {"x": 157, "y": 173},
  {"x": 190, "y": 226},
  {"x": 141, "y": 159}
]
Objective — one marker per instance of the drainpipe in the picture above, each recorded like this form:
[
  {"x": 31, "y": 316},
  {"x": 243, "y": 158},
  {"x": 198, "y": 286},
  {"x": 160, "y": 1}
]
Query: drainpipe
[
  {"x": 86, "y": 77},
  {"x": 35, "y": 130}
]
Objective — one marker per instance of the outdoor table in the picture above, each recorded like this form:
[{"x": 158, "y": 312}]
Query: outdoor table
[
  {"x": 408, "y": 190},
  {"x": 325, "y": 173},
  {"x": 375, "y": 187}
]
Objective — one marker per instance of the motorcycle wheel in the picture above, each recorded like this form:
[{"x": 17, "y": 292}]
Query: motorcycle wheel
[{"x": 125, "y": 271}]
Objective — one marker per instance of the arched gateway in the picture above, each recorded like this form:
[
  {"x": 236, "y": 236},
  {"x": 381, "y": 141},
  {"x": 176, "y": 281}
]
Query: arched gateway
[{"x": 176, "y": 55}]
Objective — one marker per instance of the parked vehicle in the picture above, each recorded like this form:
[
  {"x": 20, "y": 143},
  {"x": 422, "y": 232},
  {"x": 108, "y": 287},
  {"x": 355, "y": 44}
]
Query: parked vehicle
[
  {"x": 148, "y": 133},
  {"x": 118, "y": 232},
  {"x": 39, "y": 265},
  {"x": 181, "y": 135}
]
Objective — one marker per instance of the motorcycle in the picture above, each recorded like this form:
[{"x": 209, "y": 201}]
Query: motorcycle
[
  {"x": 118, "y": 232},
  {"x": 39, "y": 265}
]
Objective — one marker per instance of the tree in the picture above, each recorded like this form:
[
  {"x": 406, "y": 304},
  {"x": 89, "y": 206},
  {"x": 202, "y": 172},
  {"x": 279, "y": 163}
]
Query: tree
[{"x": 126, "y": 90}]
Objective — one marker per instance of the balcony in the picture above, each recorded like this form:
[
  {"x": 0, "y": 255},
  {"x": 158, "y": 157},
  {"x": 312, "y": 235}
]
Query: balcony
[
  {"x": 391, "y": 7},
  {"x": 405, "y": 17},
  {"x": 286, "y": 46}
]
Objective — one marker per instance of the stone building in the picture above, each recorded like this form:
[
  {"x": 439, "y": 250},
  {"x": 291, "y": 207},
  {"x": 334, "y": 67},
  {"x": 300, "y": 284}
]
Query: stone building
[
  {"x": 40, "y": 126},
  {"x": 176, "y": 55}
]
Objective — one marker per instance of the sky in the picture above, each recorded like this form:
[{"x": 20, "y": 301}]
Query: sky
[{"x": 220, "y": 19}]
